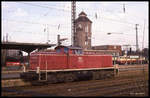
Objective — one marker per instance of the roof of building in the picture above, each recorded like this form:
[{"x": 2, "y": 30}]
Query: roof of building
[
  {"x": 82, "y": 14},
  {"x": 27, "y": 47},
  {"x": 82, "y": 17},
  {"x": 105, "y": 45},
  {"x": 70, "y": 47}
]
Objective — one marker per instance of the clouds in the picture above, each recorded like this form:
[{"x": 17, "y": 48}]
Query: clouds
[
  {"x": 66, "y": 6},
  {"x": 20, "y": 13},
  {"x": 4, "y": 6}
]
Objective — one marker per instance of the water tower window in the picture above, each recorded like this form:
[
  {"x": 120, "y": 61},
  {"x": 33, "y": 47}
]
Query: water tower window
[
  {"x": 86, "y": 28},
  {"x": 80, "y": 26}
]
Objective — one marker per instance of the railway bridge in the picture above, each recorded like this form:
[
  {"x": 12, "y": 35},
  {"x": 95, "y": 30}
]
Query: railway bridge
[{"x": 27, "y": 47}]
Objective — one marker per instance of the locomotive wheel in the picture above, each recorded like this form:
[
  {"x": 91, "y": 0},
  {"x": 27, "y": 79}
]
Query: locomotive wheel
[
  {"x": 96, "y": 76},
  {"x": 60, "y": 78},
  {"x": 52, "y": 79},
  {"x": 69, "y": 78},
  {"x": 102, "y": 75}
]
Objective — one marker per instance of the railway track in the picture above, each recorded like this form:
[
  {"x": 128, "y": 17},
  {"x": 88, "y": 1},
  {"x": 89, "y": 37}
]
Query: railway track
[
  {"x": 100, "y": 89},
  {"x": 110, "y": 89},
  {"x": 128, "y": 83},
  {"x": 84, "y": 88},
  {"x": 81, "y": 85}
]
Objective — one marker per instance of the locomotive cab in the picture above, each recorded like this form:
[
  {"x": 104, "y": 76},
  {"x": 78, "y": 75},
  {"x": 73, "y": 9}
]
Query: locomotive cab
[{"x": 69, "y": 50}]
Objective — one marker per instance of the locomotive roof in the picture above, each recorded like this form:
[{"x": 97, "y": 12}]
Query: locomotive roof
[{"x": 70, "y": 47}]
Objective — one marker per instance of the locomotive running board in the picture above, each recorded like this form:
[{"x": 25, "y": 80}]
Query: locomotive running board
[{"x": 75, "y": 69}]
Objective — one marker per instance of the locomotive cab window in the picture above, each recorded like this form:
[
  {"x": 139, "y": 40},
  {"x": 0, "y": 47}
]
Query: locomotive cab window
[
  {"x": 77, "y": 51},
  {"x": 58, "y": 50},
  {"x": 66, "y": 50}
]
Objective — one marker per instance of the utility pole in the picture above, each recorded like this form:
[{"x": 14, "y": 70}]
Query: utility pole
[
  {"x": 3, "y": 54},
  {"x": 137, "y": 46},
  {"x": 143, "y": 43},
  {"x": 58, "y": 40},
  {"x": 6, "y": 42},
  {"x": 6, "y": 37},
  {"x": 6, "y": 50},
  {"x": 126, "y": 52},
  {"x": 46, "y": 29},
  {"x": 126, "y": 48},
  {"x": 3, "y": 38},
  {"x": 143, "y": 35},
  {"x": 73, "y": 17},
  {"x": 47, "y": 35}
]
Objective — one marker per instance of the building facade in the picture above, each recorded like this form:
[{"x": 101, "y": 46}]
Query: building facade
[
  {"x": 13, "y": 53},
  {"x": 109, "y": 47},
  {"x": 83, "y": 32}
]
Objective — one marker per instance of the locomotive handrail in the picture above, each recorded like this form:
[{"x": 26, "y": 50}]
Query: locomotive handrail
[
  {"x": 116, "y": 69},
  {"x": 46, "y": 71},
  {"x": 24, "y": 68}
]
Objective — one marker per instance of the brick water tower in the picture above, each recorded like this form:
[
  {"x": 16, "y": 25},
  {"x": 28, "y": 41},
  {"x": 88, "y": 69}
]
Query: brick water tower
[{"x": 83, "y": 31}]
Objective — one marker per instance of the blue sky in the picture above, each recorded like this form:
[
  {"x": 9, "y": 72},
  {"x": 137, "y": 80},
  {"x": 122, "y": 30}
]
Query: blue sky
[{"x": 26, "y": 21}]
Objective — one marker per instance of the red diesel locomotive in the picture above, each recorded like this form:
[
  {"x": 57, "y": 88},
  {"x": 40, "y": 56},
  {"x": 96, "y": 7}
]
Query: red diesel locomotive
[{"x": 68, "y": 63}]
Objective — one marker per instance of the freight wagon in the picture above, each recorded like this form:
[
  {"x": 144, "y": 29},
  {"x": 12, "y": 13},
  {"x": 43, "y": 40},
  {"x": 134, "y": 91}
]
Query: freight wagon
[{"x": 67, "y": 64}]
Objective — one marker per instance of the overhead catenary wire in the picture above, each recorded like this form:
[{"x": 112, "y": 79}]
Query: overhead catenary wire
[
  {"x": 125, "y": 5},
  {"x": 55, "y": 26},
  {"x": 31, "y": 22},
  {"x": 49, "y": 7},
  {"x": 114, "y": 20}
]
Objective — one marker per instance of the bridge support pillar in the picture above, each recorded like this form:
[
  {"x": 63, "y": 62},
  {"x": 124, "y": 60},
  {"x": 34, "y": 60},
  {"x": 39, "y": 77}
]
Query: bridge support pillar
[{"x": 28, "y": 59}]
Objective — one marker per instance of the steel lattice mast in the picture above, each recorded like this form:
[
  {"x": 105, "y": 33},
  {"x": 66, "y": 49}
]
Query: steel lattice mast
[{"x": 73, "y": 16}]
